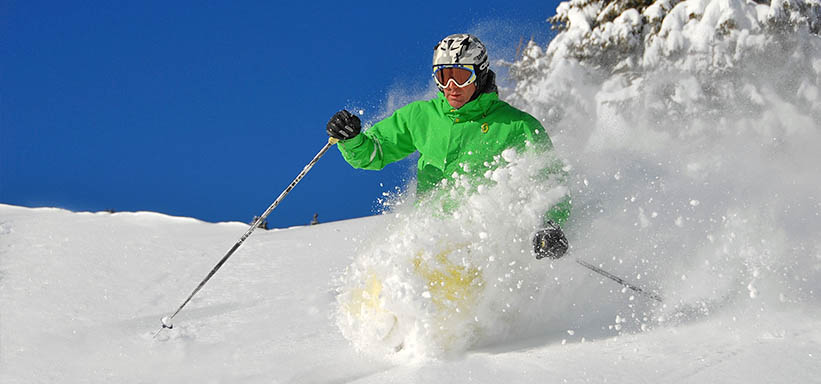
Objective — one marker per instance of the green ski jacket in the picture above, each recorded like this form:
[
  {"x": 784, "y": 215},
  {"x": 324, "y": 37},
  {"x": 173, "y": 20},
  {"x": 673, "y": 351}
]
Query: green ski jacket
[{"x": 449, "y": 140}]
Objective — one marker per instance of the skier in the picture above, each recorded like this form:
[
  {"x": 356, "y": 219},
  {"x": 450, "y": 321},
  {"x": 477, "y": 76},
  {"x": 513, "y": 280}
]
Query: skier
[{"x": 466, "y": 124}]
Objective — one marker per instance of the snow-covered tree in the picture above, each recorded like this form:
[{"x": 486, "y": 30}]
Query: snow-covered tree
[
  {"x": 622, "y": 34},
  {"x": 675, "y": 58}
]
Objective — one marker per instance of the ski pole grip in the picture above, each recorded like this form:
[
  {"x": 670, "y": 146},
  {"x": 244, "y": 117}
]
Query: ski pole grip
[{"x": 332, "y": 140}]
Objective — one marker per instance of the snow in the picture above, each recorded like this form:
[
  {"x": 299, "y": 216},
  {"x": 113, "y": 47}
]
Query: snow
[
  {"x": 691, "y": 145},
  {"x": 81, "y": 293}
]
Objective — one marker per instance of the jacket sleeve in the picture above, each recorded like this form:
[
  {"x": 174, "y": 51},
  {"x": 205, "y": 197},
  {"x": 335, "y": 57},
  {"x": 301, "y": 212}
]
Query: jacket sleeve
[
  {"x": 385, "y": 142},
  {"x": 559, "y": 212}
]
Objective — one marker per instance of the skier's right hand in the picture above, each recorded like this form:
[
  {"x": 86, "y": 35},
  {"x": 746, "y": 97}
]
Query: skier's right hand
[{"x": 343, "y": 125}]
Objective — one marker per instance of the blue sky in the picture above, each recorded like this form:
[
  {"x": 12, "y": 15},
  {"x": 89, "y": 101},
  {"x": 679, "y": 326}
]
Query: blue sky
[{"x": 210, "y": 109}]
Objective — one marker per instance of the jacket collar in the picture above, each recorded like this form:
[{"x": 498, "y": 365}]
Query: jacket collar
[{"x": 474, "y": 109}]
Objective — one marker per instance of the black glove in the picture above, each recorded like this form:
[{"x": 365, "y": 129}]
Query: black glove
[
  {"x": 549, "y": 242},
  {"x": 343, "y": 125}
]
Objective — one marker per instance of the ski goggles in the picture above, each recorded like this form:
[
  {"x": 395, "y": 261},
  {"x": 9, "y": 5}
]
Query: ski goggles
[{"x": 461, "y": 75}]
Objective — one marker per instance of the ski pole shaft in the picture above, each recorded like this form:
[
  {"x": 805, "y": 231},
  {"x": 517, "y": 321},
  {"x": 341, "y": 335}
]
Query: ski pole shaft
[
  {"x": 166, "y": 320},
  {"x": 619, "y": 280}
]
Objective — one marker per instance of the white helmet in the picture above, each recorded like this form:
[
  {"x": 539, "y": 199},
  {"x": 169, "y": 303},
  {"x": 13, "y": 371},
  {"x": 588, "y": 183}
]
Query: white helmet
[{"x": 463, "y": 49}]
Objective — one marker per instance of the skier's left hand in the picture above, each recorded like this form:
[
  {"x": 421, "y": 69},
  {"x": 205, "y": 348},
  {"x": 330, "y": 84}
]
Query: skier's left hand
[{"x": 549, "y": 242}]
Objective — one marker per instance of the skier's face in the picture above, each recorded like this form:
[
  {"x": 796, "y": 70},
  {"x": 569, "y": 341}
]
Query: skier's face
[{"x": 457, "y": 97}]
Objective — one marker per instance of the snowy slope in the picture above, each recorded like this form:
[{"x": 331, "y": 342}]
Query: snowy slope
[{"x": 80, "y": 294}]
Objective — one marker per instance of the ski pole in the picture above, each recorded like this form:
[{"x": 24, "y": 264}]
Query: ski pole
[
  {"x": 166, "y": 321},
  {"x": 619, "y": 280}
]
